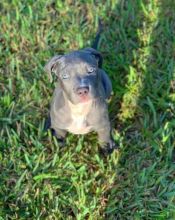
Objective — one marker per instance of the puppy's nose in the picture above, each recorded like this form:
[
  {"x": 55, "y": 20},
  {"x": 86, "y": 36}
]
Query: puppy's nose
[{"x": 83, "y": 91}]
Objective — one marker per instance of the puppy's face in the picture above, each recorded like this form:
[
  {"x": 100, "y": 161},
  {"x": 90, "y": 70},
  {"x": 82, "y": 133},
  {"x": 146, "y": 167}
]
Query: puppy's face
[{"x": 78, "y": 75}]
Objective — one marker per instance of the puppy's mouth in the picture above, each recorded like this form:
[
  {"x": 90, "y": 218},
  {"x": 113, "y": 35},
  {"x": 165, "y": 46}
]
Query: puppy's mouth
[{"x": 84, "y": 99}]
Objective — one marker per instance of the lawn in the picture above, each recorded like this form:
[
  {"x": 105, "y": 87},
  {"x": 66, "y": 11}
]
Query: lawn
[{"x": 38, "y": 180}]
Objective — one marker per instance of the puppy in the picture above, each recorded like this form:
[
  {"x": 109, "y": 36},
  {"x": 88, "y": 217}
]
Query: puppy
[{"x": 79, "y": 101}]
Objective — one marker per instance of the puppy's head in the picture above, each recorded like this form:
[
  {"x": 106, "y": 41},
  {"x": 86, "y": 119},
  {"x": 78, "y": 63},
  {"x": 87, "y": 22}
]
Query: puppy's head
[{"x": 77, "y": 73}]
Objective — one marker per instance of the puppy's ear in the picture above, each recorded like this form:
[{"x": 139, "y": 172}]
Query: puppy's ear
[
  {"x": 52, "y": 65},
  {"x": 96, "y": 54}
]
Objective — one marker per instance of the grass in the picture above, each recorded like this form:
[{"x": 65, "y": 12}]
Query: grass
[{"x": 38, "y": 180}]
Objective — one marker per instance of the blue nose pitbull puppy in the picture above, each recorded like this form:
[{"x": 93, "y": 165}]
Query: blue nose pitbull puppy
[{"x": 79, "y": 102}]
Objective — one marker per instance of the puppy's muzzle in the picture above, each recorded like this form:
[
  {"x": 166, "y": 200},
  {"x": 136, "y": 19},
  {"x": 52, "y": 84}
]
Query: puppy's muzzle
[{"x": 82, "y": 91}]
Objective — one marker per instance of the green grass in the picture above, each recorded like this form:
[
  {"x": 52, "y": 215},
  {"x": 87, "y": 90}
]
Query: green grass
[{"x": 40, "y": 181}]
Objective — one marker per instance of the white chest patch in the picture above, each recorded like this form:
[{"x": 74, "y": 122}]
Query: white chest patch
[{"x": 79, "y": 114}]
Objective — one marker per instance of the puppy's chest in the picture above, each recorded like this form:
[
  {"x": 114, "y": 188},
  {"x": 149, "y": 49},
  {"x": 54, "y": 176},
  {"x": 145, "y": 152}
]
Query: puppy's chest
[{"x": 79, "y": 114}]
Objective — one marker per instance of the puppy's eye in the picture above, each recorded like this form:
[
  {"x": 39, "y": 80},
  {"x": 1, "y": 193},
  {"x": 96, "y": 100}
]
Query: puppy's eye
[
  {"x": 91, "y": 69},
  {"x": 65, "y": 76}
]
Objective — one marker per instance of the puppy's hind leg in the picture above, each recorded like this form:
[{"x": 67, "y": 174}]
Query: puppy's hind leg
[{"x": 47, "y": 123}]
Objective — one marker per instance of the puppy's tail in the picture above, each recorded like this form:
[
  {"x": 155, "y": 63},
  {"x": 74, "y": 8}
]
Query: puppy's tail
[{"x": 97, "y": 37}]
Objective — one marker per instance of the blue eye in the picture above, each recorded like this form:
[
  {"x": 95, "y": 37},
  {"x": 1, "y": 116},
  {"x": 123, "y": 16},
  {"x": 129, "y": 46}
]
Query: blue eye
[
  {"x": 91, "y": 69},
  {"x": 65, "y": 76}
]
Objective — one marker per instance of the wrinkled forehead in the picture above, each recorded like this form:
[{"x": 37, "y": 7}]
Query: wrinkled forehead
[{"x": 77, "y": 59}]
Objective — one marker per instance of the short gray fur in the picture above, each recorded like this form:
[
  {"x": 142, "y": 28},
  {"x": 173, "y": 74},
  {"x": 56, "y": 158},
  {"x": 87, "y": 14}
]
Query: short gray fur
[{"x": 79, "y": 102}]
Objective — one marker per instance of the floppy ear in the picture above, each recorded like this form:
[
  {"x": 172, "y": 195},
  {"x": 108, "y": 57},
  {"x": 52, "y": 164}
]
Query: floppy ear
[
  {"x": 96, "y": 54},
  {"x": 52, "y": 65}
]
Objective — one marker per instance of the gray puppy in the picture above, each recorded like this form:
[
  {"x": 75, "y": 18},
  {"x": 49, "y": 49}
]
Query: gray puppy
[{"x": 79, "y": 102}]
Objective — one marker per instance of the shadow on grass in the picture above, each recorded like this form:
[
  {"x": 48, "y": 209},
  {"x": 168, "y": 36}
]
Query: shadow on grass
[{"x": 142, "y": 43}]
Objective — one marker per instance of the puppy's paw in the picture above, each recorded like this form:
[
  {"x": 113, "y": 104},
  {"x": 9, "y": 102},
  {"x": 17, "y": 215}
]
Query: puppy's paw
[
  {"x": 108, "y": 148},
  {"x": 61, "y": 142}
]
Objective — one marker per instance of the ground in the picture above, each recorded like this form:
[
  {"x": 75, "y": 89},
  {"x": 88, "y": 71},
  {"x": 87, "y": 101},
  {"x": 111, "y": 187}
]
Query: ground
[{"x": 38, "y": 180}]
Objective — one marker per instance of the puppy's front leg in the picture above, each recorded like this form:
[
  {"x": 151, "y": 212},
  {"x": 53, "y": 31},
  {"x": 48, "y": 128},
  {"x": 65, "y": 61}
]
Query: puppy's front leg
[
  {"x": 106, "y": 141},
  {"x": 60, "y": 135}
]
